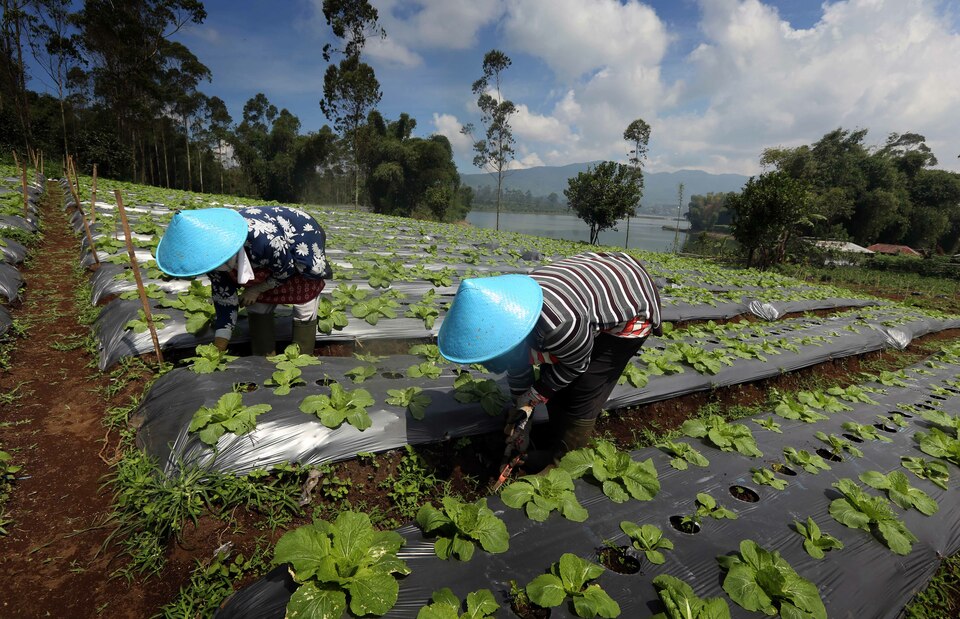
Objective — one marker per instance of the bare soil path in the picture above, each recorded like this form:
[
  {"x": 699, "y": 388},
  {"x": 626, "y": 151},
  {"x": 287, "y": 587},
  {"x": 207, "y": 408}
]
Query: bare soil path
[{"x": 51, "y": 422}]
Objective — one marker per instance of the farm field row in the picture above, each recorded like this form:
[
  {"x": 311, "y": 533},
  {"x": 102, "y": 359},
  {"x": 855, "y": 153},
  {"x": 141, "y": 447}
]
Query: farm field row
[{"x": 162, "y": 522}]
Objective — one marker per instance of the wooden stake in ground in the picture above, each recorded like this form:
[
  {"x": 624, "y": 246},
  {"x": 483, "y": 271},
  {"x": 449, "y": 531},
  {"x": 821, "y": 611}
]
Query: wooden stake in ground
[
  {"x": 86, "y": 226},
  {"x": 26, "y": 196},
  {"x": 93, "y": 196},
  {"x": 148, "y": 316}
]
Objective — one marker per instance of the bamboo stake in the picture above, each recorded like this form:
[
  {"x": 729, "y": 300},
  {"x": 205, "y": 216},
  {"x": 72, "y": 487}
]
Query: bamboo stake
[
  {"x": 86, "y": 226},
  {"x": 93, "y": 196},
  {"x": 76, "y": 178},
  {"x": 16, "y": 160},
  {"x": 136, "y": 275},
  {"x": 41, "y": 165},
  {"x": 26, "y": 196}
]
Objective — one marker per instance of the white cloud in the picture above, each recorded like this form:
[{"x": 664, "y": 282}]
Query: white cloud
[
  {"x": 389, "y": 51},
  {"x": 528, "y": 125},
  {"x": 885, "y": 66},
  {"x": 447, "y": 125}
]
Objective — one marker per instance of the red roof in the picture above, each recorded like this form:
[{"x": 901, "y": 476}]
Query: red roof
[{"x": 887, "y": 248}]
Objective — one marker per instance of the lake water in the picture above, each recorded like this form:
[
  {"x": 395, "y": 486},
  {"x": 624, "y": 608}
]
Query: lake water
[{"x": 646, "y": 232}]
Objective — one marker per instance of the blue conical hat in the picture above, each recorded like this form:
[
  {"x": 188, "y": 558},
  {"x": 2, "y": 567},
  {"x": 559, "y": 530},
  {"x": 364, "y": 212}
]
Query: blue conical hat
[
  {"x": 489, "y": 316},
  {"x": 199, "y": 241}
]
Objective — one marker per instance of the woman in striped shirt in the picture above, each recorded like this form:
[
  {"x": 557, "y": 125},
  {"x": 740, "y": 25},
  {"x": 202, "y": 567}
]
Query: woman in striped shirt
[{"x": 581, "y": 319}]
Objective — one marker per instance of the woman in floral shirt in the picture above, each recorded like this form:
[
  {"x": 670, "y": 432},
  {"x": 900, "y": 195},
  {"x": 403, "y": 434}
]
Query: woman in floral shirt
[{"x": 256, "y": 258}]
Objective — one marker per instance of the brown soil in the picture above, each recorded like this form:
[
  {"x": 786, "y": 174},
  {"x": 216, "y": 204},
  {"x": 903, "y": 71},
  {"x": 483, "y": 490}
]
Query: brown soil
[
  {"x": 51, "y": 420},
  {"x": 50, "y": 565},
  {"x": 615, "y": 559}
]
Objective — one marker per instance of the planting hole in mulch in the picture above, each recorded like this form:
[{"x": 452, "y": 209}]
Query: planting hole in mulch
[
  {"x": 682, "y": 524},
  {"x": 616, "y": 559},
  {"x": 826, "y": 454},
  {"x": 904, "y": 415},
  {"x": 245, "y": 387},
  {"x": 855, "y": 439},
  {"x": 926, "y": 406},
  {"x": 885, "y": 427},
  {"x": 326, "y": 382},
  {"x": 783, "y": 469},
  {"x": 742, "y": 493},
  {"x": 528, "y": 610},
  {"x": 938, "y": 397},
  {"x": 392, "y": 375}
]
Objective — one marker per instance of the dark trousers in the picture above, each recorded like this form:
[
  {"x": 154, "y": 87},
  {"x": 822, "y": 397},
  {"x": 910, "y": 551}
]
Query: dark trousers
[{"x": 583, "y": 398}]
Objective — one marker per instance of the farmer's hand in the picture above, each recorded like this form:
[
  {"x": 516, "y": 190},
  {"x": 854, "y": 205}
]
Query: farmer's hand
[
  {"x": 249, "y": 296},
  {"x": 518, "y": 428},
  {"x": 221, "y": 343}
]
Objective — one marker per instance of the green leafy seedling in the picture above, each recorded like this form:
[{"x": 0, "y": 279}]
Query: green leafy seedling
[
  {"x": 541, "y": 494},
  {"x": 340, "y": 406},
  {"x": 649, "y": 539},
  {"x": 460, "y": 526},
  {"x": 767, "y": 477},
  {"x": 684, "y": 454},
  {"x": 900, "y": 491},
  {"x": 682, "y": 603},
  {"x": 621, "y": 477},
  {"x": 209, "y": 359},
  {"x": 412, "y": 398},
  {"x": 568, "y": 578},
  {"x": 815, "y": 541},
  {"x": 933, "y": 470},
  {"x": 708, "y": 506},
  {"x": 229, "y": 415},
  {"x": 446, "y": 605}
]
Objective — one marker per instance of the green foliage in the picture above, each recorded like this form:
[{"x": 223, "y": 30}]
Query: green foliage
[
  {"x": 815, "y": 542},
  {"x": 139, "y": 324},
  {"x": 771, "y": 209},
  {"x": 209, "y": 359},
  {"x": 284, "y": 379},
  {"x": 229, "y": 415},
  {"x": 647, "y": 538},
  {"x": 211, "y": 583},
  {"x": 620, "y": 476},
  {"x": 459, "y": 526},
  {"x": 485, "y": 391},
  {"x": 769, "y": 424},
  {"x": 542, "y": 494},
  {"x": 859, "y": 510},
  {"x": 708, "y": 506},
  {"x": 334, "y": 560},
  {"x": 762, "y": 581},
  {"x": 427, "y": 369},
  {"x": 568, "y": 578},
  {"x": 8, "y": 475},
  {"x": 341, "y": 405},
  {"x": 412, "y": 398},
  {"x": 445, "y": 605},
  {"x": 603, "y": 195},
  {"x": 330, "y": 317},
  {"x": 767, "y": 477},
  {"x": 195, "y": 305},
  {"x": 940, "y": 445},
  {"x": 838, "y": 444},
  {"x": 360, "y": 373},
  {"x": 933, "y": 470},
  {"x": 425, "y": 309},
  {"x": 375, "y": 309},
  {"x": 900, "y": 491},
  {"x": 809, "y": 462},
  {"x": 684, "y": 454},
  {"x": 865, "y": 432},
  {"x": 723, "y": 435},
  {"x": 682, "y": 603},
  {"x": 430, "y": 351},
  {"x": 790, "y": 408},
  {"x": 291, "y": 358},
  {"x": 412, "y": 482}
]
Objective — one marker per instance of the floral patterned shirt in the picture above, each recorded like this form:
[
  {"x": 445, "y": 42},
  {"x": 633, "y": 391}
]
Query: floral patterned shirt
[{"x": 286, "y": 241}]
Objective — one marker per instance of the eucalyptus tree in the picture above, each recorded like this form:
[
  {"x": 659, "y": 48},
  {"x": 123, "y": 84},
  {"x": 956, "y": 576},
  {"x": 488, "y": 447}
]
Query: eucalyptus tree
[
  {"x": 638, "y": 134},
  {"x": 494, "y": 151},
  {"x": 15, "y": 22}
]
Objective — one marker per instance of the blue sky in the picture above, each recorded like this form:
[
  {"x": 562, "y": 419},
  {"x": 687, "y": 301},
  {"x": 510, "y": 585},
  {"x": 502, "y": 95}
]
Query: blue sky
[{"x": 718, "y": 80}]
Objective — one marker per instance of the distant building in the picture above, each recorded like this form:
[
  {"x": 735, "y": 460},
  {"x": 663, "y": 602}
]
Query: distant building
[
  {"x": 843, "y": 246},
  {"x": 894, "y": 250}
]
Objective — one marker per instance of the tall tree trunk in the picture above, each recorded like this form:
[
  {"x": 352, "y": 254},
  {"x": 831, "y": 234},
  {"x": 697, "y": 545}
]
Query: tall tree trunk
[
  {"x": 186, "y": 131},
  {"x": 200, "y": 166},
  {"x": 156, "y": 158},
  {"x": 499, "y": 188},
  {"x": 220, "y": 149},
  {"x": 166, "y": 166}
]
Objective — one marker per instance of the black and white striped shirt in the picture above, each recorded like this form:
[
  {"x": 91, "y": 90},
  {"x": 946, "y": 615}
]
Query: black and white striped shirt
[{"x": 583, "y": 296}]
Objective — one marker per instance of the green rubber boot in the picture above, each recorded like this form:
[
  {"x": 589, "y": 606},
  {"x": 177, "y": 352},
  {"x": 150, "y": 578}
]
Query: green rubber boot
[
  {"x": 570, "y": 434},
  {"x": 305, "y": 335},
  {"x": 262, "y": 342}
]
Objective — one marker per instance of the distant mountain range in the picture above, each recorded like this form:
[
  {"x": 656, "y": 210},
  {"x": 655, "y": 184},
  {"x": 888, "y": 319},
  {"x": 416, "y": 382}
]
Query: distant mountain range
[{"x": 659, "y": 193}]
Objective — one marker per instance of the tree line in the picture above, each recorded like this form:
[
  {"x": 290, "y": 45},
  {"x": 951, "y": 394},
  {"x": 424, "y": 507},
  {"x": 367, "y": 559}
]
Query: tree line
[
  {"x": 123, "y": 94},
  {"x": 839, "y": 188}
]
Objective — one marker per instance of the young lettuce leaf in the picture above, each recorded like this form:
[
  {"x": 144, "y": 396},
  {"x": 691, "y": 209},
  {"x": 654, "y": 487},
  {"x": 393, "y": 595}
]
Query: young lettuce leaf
[
  {"x": 542, "y": 494},
  {"x": 682, "y": 603},
  {"x": 446, "y": 605},
  {"x": 340, "y": 406},
  {"x": 229, "y": 415},
  {"x": 334, "y": 561},
  {"x": 569, "y": 577},
  {"x": 620, "y": 477},
  {"x": 459, "y": 526}
]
